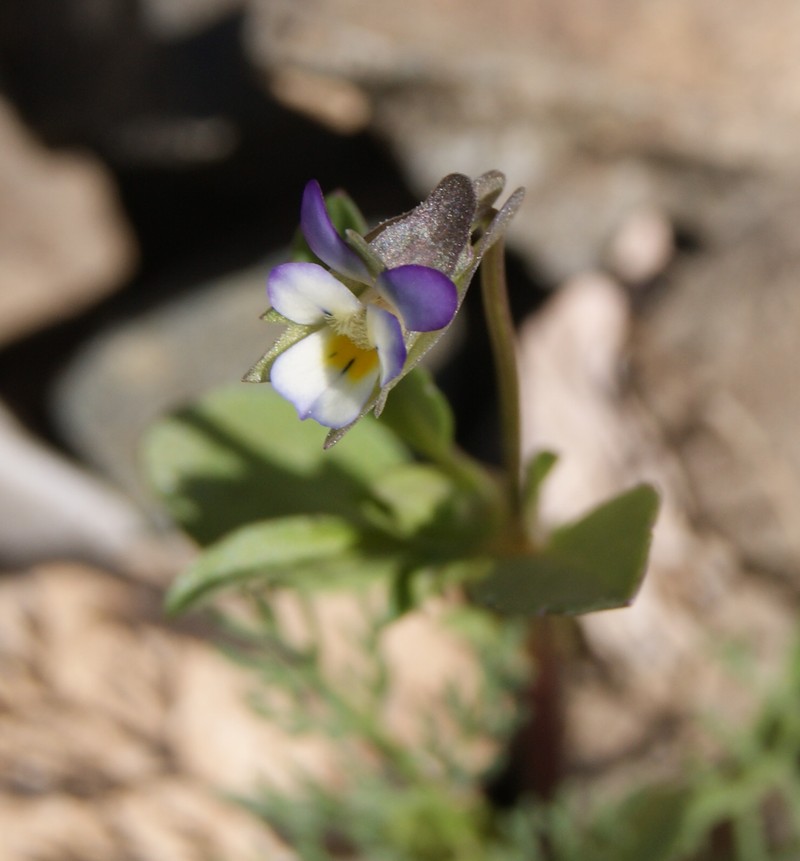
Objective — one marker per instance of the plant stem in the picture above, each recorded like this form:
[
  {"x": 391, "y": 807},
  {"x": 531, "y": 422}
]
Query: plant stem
[
  {"x": 536, "y": 750},
  {"x": 501, "y": 336}
]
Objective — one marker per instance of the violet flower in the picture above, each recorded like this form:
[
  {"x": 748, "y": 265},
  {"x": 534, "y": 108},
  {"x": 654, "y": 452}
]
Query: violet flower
[{"x": 356, "y": 327}]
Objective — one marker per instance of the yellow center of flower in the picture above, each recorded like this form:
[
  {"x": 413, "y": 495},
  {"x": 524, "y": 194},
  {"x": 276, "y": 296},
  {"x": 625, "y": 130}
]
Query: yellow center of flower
[
  {"x": 354, "y": 326},
  {"x": 345, "y": 357}
]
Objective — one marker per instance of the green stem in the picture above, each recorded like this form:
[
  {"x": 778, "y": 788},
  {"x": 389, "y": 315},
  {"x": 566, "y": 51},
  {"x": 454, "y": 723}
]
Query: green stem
[{"x": 501, "y": 336}]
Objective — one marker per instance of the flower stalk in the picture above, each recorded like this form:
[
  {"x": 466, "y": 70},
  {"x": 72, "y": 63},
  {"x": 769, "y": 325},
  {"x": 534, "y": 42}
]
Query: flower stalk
[{"x": 501, "y": 336}]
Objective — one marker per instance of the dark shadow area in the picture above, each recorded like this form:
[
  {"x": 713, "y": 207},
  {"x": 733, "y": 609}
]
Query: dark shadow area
[{"x": 209, "y": 168}]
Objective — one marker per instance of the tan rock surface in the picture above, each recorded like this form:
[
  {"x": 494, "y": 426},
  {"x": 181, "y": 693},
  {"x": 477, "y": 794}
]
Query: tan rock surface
[
  {"x": 119, "y": 735},
  {"x": 601, "y": 108},
  {"x": 665, "y": 676},
  {"x": 716, "y": 356}
]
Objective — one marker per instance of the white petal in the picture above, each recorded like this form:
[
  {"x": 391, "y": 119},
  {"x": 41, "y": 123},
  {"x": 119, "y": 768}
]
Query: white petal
[
  {"x": 306, "y": 293},
  {"x": 343, "y": 401},
  {"x": 300, "y": 374},
  {"x": 309, "y": 376}
]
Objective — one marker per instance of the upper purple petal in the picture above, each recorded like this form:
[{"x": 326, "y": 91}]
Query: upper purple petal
[
  {"x": 323, "y": 238},
  {"x": 426, "y": 298}
]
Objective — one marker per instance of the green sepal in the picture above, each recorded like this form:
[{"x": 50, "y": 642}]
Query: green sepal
[
  {"x": 273, "y": 316},
  {"x": 293, "y": 333},
  {"x": 345, "y": 213},
  {"x": 594, "y": 563},
  {"x": 536, "y": 471},
  {"x": 360, "y": 245}
]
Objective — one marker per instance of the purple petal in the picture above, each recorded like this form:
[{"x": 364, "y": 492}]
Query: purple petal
[
  {"x": 426, "y": 298},
  {"x": 323, "y": 238},
  {"x": 386, "y": 334}
]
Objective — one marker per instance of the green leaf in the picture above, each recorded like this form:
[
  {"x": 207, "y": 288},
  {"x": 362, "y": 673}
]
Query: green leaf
[
  {"x": 288, "y": 549},
  {"x": 595, "y": 563},
  {"x": 536, "y": 471},
  {"x": 413, "y": 497},
  {"x": 242, "y": 455},
  {"x": 434, "y": 518},
  {"x": 649, "y": 824},
  {"x": 420, "y": 415}
]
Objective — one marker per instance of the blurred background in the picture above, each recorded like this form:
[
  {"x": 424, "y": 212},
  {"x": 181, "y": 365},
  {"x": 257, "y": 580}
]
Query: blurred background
[{"x": 152, "y": 156}]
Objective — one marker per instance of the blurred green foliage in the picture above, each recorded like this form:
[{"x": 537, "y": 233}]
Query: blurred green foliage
[{"x": 254, "y": 487}]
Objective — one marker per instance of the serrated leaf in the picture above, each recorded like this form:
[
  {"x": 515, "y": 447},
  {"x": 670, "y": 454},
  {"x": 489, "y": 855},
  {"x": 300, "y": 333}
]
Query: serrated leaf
[
  {"x": 595, "y": 563},
  {"x": 280, "y": 550},
  {"x": 241, "y": 455}
]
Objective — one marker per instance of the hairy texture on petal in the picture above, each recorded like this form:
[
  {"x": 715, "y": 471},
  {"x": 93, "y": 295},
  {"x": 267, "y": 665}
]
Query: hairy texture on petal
[
  {"x": 425, "y": 298},
  {"x": 320, "y": 385},
  {"x": 306, "y": 293},
  {"x": 385, "y": 332},
  {"x": 323, "y": 238},
  {"x": 434, "y": 233}
]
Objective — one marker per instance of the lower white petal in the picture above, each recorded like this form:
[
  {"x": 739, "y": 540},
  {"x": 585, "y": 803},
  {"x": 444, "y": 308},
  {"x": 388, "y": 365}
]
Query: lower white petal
[
  {"x": 322, "y": 385},
  {"x": 342, "y": 402}
]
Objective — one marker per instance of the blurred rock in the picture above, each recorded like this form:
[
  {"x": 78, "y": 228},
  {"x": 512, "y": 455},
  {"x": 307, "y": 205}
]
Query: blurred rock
[
  {"x": 599, "y": 110},
  {"x": 334, "y": 102},
  {"x": 119, "y": 734},
  {"x": 63, "y": 240},
  {"x": 716, "y": 359},
  {"x": 171, "y": 19},
  {"x": 641, "y": 248},
  {"x": 98, "y": 756},
  {"x": 664, "y": 653},
  {"x": 52, "y": 509}
]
